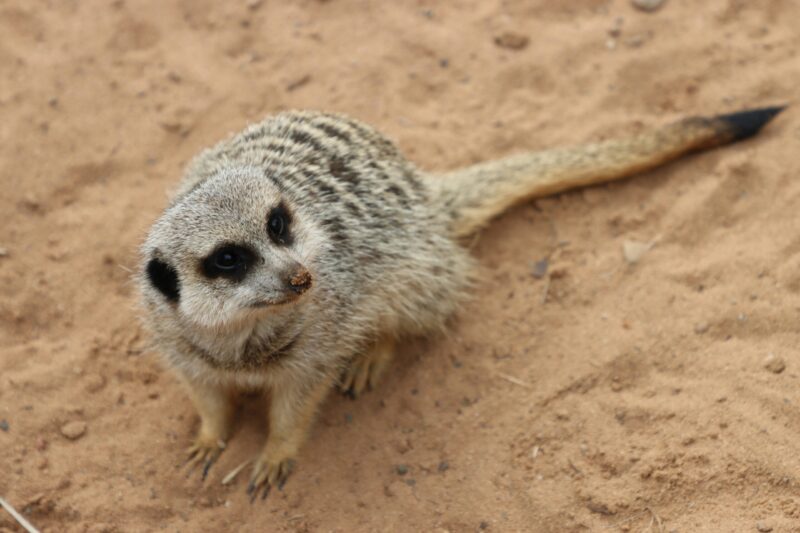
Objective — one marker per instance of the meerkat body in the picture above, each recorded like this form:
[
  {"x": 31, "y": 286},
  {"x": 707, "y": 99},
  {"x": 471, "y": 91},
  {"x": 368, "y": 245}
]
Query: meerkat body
[{"x": 297, "y": 252}]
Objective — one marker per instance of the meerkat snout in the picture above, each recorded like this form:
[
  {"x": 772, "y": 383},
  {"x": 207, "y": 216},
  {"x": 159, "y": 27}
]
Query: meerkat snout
[{"x": 300, "y": 281}]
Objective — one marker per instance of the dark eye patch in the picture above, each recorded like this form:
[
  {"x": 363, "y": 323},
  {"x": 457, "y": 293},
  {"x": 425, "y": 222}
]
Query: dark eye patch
[
  {"x": 230, "y": 261},
  {"x": 278, "y": 222},
  {"x": 164, "y": 278}
]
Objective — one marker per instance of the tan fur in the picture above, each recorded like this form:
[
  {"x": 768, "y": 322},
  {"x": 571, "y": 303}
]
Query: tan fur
[
  {"x": 485, "y": 190},
  {"x": 340, "y": 247}
]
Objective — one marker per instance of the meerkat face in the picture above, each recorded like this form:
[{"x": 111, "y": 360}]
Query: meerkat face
[{"x": 231, "y": 250}]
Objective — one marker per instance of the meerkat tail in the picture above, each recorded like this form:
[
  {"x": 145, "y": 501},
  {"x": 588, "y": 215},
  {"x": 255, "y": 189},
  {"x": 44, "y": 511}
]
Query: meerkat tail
[{"x": 474, "y": 195}]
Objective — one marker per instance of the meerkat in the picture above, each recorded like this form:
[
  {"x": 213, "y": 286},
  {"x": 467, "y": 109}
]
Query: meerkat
[{"x": 297, "y": 253}]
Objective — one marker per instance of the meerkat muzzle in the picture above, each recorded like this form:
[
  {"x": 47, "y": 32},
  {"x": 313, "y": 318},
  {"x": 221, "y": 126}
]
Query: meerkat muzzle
[{"x": 300, "y": 281}]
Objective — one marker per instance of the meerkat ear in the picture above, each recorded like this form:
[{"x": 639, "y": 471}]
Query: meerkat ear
[{"x": 164, "y": 278}]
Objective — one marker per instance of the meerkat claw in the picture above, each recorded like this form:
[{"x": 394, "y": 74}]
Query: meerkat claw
[
  {"x": 366, "y": 370},
  {"x": 205, "y": 454},
  {"x": 267, "y": 475},
  {"x": 253, "y": 491},
  {"x": 356, "y": 378},
  {"x": 209, "y": 463}
]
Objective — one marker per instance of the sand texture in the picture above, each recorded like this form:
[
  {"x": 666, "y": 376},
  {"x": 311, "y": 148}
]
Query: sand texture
[{"x": 654, "y": 393}]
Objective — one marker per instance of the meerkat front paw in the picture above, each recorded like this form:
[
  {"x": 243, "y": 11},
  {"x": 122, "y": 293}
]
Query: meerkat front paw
[
  {"x": 291, "y": 412},
  {"x": 269, "y": 472},
  {"x": 215, "y": 406},
  {"x": 366, "y": 369}
]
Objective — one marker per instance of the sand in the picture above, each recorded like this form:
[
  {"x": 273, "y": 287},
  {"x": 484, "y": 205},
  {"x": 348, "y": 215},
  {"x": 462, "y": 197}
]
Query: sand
[{"x": 600, "y": 396}]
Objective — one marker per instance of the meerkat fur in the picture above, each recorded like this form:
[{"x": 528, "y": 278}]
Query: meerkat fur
[{"x": 297, "y": 253}]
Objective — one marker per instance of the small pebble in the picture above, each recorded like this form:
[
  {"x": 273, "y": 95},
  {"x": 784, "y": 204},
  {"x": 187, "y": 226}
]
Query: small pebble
[
  {"x": 3, "y": 252},
  {"x": 647, "y": 5},
  {"x": 634, "y": 250},
  {"x": 444, "y": 466},
  {"x": 94, "y": 383},
  {"x": 559, "y": 270},
  {"x": 774, "y": 364},
  {"x": 764, "y": 526},
  {"x": 635, "y": 41},
  {"x": 512, "y": 41},
  {"x": 616, "y": 29},
  {"x": 401, "y": 470},
  {"x": 204, "y": 502},
  {"x": 4, "y": 425},
  {"x": 297, "y": 83},
  {"x": 540, "y": 268},
  {"x": 74, "y": 430},
  {"x": 701, "y": 327}
]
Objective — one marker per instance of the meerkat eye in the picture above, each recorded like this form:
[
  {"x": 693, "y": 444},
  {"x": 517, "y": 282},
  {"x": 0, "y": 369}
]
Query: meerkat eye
[
  {"x": 278, "y": 225},
  {"x": 228, "y": 261}
]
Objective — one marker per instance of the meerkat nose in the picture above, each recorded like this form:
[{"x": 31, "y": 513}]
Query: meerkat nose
[{"x": 300, "y": 280}]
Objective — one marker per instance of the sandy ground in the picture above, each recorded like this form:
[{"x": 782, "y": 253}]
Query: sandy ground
[{"x": 603, "y": 396}]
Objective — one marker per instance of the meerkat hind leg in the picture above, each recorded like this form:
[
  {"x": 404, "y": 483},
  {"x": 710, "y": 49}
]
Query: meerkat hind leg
[
  {"x": 215, "y": 405},
  {"x": 366, "y": 369}
]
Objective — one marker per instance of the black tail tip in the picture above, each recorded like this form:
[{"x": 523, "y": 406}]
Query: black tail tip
[{"x": 745, "y": 124}]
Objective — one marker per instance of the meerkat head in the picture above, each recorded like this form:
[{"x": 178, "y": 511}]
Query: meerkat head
[{"x": 228, "y": 251}]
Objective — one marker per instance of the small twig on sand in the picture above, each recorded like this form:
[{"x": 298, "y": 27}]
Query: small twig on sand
[
  {"x": 514, "y": 380},
  {"x": 18, "y": 517},
  {"x": 546, "y": 291},
  {"x": 233, "y": 473},
  {"x": 657, "y": 520}
]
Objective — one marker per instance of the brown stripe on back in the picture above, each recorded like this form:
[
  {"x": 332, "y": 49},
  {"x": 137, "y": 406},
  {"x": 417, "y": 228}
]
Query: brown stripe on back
[
  {"x": 306, "y": 139},
  {"x": 410, "y": 177},
  {"x": 401, "y": 195},
  {"x": 336, "y": 230},
  {"x": 271, "y": 147},
  {"x": 258, "y": 133},
  {"x": 339, "y": 168},
  {"x": 334, "y": 131}
]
